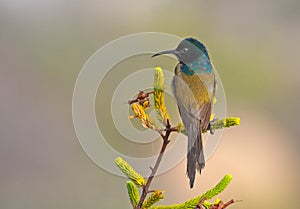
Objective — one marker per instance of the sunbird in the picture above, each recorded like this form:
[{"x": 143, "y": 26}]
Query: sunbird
[{"x": 193, "y": 86}]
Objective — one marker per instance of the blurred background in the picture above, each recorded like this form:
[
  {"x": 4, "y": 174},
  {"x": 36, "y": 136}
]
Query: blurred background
[{"x": 43, "y": 46}]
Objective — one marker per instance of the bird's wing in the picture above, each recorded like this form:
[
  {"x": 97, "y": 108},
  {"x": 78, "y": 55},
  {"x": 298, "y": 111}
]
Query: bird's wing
[{"x": 194, "y": 95}]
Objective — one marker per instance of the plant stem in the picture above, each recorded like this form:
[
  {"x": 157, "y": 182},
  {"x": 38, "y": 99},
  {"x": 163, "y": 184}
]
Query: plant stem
[{"x": 157, "y": 163}]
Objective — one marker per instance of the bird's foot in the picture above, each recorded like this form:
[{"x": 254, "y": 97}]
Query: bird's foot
[{"x": 212, "y": 132}]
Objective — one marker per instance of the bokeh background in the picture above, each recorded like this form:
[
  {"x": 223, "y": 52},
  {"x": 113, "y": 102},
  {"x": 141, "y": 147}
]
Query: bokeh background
[{"x": 43, "y": 46}]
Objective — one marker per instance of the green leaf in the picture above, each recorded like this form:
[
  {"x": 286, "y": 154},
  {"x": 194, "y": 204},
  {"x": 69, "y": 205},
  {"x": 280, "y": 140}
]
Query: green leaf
[
  {"x": 154, "y": 198},
  {"x": 133, "y": 193},
  {"x": 134, "y": 176},
  {"x": 159, "y": 98},
  {"x": 218, "y": 188},
  {"x": 226, "y": 123},
  {"x": 159, "y": 80},
  {"x": 195, "y": 201}
]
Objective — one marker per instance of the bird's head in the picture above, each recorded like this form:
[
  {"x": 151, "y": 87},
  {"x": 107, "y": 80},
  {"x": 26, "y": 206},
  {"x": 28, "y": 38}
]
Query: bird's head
[{"x": 187, "y": 51}]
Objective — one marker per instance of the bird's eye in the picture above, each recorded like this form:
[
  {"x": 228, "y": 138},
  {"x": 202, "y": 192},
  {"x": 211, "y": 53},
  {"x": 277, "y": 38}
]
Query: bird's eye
[{"x": 185, "y": 49}]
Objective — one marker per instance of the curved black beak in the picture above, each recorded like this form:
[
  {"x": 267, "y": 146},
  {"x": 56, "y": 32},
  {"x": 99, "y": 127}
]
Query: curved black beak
[{"x": 166, "y": 52}]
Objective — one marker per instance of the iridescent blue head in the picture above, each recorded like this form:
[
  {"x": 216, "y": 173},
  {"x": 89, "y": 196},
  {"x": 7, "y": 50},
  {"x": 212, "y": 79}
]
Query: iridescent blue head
[{"x": 187, "y": 51}]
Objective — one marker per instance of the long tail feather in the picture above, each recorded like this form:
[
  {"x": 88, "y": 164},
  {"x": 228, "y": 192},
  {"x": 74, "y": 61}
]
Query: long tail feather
[{"x": 195, "y": 156}]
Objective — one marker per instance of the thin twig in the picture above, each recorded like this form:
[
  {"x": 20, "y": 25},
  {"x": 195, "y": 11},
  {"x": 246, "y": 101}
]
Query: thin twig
[
  {"x": 166, "y": 141},
  {"x": 142, "y": 96},
  {"x": 149, "y": 180},
  {"x": 199, "y": 206},
  {"x": 229, "y": 203},
  {"x": 222, "y": 205}
]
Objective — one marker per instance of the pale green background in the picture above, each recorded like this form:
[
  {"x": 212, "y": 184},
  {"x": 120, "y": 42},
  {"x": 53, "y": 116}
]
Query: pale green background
[{"x": 43, "y": 45}]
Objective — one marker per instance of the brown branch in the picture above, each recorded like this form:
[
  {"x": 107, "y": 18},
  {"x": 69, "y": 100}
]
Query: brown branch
[
  {"x": 141, "y": 97},
  {"x": 222, "y": 205},
  {"x": 228, "y": 203},
  {"x": 199, "y": 206},
  {"x": 166, "y": 141}
]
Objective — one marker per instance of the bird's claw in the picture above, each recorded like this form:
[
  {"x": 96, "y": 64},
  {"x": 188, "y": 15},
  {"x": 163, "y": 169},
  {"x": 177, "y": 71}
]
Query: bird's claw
[{"x": 211, "y": 131}]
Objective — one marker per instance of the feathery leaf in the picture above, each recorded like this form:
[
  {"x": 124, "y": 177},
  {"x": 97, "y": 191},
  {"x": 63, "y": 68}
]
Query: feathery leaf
[
  {"x": 208, "y": 195},
  {"x": 154, "y": 198},
  {"x": 133, "y": 193},
  {"x": 134, "y": 176},
  {"x": 140, "y": 113},
  {"x": 159, "y": 98}
]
